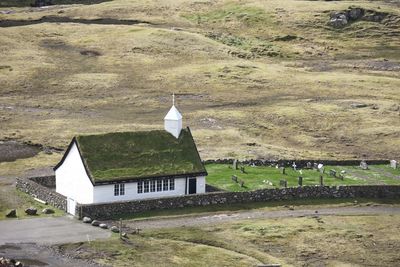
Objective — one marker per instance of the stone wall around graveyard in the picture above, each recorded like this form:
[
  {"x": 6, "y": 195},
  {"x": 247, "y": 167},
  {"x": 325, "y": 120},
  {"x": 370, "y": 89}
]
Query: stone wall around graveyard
[
  {"x": 33, "y": 188},
  {"x": 47, "y": 181},
  {"x": 299, "y": 163},
  {"x": 113, "y": 210}
]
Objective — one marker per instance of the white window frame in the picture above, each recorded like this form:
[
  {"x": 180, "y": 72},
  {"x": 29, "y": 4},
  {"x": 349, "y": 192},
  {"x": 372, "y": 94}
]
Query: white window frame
[
  {"x": 119, "y": 190},
  {"x": 140, "y": 187}
]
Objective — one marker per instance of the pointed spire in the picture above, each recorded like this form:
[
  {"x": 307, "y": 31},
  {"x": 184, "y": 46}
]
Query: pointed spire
[{"x": 173, "y": 99}]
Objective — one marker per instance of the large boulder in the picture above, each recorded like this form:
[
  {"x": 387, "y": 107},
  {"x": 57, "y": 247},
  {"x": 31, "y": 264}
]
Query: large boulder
[
  {"x": 86, "y": 220},
  {"x": 12, "y": 213},
  {"x": 95, "y": 223},
  {"x": 114, "y": 229},
  {"x": 31, "y": 211},
  {"x": 103, "y": 226}
]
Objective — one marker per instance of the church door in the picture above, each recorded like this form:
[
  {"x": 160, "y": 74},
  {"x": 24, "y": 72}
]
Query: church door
[{"x": 192, "y": 186}]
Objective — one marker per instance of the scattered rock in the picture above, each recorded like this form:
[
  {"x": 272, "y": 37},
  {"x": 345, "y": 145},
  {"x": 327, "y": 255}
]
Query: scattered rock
[
  {"x": 114, "y": 229},
  {"x": 103, "y": 226},
  {"x": 340, "y": 19},
  {"x": 12, "y": 213},
  {"x": 4, "y": 262},
  {"x": 95, "y": 223},
  {"x": 86, "y": 220},
  {"x": 90, "y": 53},
  {"x": 31, "y": 211},
  {"x": 359, "y": 105},
  {"x": 125, "y": 235},
  {"x": 47, "y": 211},
  {"x": 286, "y": 38}
]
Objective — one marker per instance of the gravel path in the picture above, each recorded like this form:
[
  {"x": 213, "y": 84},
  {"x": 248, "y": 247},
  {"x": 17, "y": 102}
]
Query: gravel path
[
  {"x": 256, "y": 214},
  {"x": 48, "y": 231}
]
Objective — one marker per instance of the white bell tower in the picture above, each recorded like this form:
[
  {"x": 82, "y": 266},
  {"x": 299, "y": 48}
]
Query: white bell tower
[{"x": 173, "y": 120}]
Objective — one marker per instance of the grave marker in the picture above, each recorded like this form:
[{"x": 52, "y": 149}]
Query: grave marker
[
  {"x": 393, "y": 164},
  {"x": 364, "y": 165}
]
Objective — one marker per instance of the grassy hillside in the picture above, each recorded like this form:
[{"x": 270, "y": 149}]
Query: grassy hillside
[{"x": 253, "y": 78}]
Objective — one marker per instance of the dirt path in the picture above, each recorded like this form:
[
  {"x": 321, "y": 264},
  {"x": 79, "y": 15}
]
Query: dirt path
[{"x": 244, "y": 215}]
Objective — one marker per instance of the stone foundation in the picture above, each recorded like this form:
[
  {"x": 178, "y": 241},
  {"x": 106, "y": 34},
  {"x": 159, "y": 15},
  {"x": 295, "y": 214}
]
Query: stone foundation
[{"x": 113, "y": 210}]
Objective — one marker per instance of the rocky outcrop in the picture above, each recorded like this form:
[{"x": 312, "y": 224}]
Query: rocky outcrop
[{"x": 340, "y": 19}]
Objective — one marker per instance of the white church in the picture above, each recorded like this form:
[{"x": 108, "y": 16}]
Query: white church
[{"x": 125, "y": 166}]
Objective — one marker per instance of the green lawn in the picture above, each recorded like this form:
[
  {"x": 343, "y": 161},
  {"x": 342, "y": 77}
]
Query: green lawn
[
  {"x": 22, "y": 201},
  {"x": 220, "y": 175}
]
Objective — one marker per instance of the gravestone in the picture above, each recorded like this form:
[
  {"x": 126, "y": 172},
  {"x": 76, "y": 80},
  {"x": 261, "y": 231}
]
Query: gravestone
[
  {"x": 341, "y": 176},
  {"x": 294, "y": 166},
  {"x": 300, "y": 181},
  {"x": 332, "y": 173},
  {"x": 321, "y": 180},
  {"x": 315, "y": 166},
  {"x": 235, "y": 164},
  {"x": 242, "y": 169},
  {"x": 283, "y": 183},
  {"x": 283, "y": 170},
  {"x": 393, "y": 164},
  {"x": 364, "y": 165},
  {"x": 241, "y": 183},
  {"x": 309, "y": 165},
  {"x": 321, "y": 168},
  {"x": 234, "y": 178}
]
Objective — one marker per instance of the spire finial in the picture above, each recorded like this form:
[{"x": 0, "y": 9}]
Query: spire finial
[{"x": 173, "y": 99}]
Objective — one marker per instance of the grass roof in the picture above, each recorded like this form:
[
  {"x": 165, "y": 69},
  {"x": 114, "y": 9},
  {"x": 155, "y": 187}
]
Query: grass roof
[{"x": 135, "y": 155}]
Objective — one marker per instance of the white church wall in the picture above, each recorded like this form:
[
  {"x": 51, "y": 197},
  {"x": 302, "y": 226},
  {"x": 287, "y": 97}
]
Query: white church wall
[
  {"x": 72, "y": 180},
  {"x": 105, "y": 193}
]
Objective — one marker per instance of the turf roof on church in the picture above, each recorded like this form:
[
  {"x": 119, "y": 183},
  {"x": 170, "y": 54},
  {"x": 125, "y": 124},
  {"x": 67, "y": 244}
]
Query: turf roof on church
[{"x": 135, "y": 155}]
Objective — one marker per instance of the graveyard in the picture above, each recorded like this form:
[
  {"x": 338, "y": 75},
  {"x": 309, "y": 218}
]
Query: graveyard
[{"x": 227, "y": 178}]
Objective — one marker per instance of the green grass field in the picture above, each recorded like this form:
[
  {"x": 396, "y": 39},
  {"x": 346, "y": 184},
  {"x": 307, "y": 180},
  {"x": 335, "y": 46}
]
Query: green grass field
[{"x": 220, "y": 175}]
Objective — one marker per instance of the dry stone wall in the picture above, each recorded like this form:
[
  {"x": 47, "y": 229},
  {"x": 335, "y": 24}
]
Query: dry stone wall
[
  {"x": 113, "y": 210},
  {"x": 47, "y": 181},
  {"x": 299, "y": 163},
  {"x": 33, "y": 188}
]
